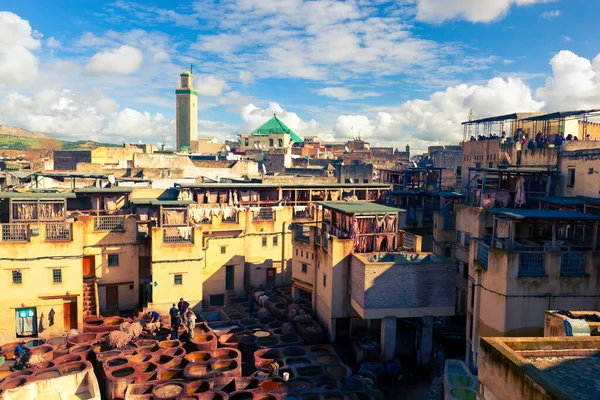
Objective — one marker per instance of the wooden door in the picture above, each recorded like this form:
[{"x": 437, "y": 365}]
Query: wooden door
[
  {"x": 89, "y": 269},
  {"x": 270, "y": 280},
  {"x": 112, "y": 297},
  {"x": 67, "y": 315},
  {"x": 70, "y": 314},
  {"x": 229, "y": 277}
]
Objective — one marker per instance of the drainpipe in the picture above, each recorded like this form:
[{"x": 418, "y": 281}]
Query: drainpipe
[{"x": 96, "y": 298}]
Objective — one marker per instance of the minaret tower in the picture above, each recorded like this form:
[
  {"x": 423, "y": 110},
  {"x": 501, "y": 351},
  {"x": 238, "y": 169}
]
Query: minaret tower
[{"x": 187, "y": 111}]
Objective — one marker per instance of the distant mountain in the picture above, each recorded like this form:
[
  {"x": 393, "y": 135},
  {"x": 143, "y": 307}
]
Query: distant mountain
[
  {"x": 15, "y": 138},
  {"x": 17, "y": 132}
]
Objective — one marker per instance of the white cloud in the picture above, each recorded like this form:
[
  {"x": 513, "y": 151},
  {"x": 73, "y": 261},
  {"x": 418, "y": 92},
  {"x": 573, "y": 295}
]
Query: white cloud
[
  {"x": 209, "y": 85},
  {"x": 255, "y": 116},
  {"x": 550, "y": 14},
  {"x": 568, "y": 39},
  {"x": 72, "y": 116},
  {"x": 161, "y": 56},
  {"x": 246, "y": 78},
  {"x": 52, "y": 42},
  {"x": 342, "y": 93},
  {"x": 419, "y": 122},
  {"x": 122, "y": 60},
  {"x": 470, "y": 10},
  {"x": 17, "y": 63},
  {"x": 574, "y": 84}
]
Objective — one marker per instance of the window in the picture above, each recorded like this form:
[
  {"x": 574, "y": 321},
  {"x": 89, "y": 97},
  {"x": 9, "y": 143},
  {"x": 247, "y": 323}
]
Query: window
[
  {"x": 280, "y": 141},
  {"x": 246, "y": 143},
  {"x": 57, "y": 275},
  {"x": 448, "y": 252},
  {"x": 366, "y": 180},
  {"x": 458, "y": 171},
  {"x": 302, "y": 253},
  {"x": 275, "y": 240},
  {"x": 223, "y": 249},
  {"x": 178, "y": 279},
  {"x": 270, "y": 142},
  {"x": 318, "y": 264},
  {"x": 113, "y": 260},
  {"x": 264, "y": 242},
  {"x": 465, "y": 271},
  {"x": 491, "y": 165},
  {"x": 304, "y": 268},
  {"x": 458, "y": 237},
  {"x": 571, "y": 177},
  {"x": 17, "y": 277},
  {"x": 324, "y": 280},
  {"x": 296, "y": 252},
  {"x": 312, "y": 256},
  {"x": 467, "y": 238}
]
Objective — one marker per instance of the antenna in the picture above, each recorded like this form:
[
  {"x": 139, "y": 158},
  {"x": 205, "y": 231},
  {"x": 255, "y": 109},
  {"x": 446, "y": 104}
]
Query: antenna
[
  {"x": 191, "y": 69},
  {"x": 228, "y": 148}
]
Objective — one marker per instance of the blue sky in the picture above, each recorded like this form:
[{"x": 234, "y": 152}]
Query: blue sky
[{"x": 395, "y": 72}]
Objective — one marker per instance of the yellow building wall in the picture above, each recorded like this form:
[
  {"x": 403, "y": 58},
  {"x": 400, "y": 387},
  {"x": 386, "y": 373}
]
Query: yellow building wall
[
  {"x": 264, "y": 141},
  {"x": 36, "y": 259},
  {"x": 166, "y": 261},
  {"x": 112, "y": 155},
  {"x": 126, "y": 274}
]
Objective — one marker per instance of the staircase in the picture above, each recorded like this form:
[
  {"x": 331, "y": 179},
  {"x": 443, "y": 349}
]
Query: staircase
[{"x": 89, "y": 297}]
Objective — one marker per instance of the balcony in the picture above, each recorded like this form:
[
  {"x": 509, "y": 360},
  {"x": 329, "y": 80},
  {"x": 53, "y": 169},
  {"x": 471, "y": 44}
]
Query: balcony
[
  {"x": 15, "y": 232},
  {"x": 178, "y": 235},
  {"x": 59, "y": 231},
  {"x": 302, "y": 233},
  {"x": 264, "y": 214},
  {"x": 302, "y": 214},
  {"x": 109, "y": 223}
]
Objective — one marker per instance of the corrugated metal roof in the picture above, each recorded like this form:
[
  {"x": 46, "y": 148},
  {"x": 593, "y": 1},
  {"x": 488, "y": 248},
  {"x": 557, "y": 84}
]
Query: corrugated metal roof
[
  {"x": 281, "y": 185},
  {"x": 70, "y": 175},
  {"x": 554, "y": 215},
  {"x": 37, "y": 195},
  {"x": 360, "y": 207},
  {"x": 274, "y": 125},
  {"x": 160, "y": 202},
  {"x": 562, "y": 201},
  {"x": 561, "y": 114},
  {"x": 117, "y": 189},
  {"x": 500, "y": 118}
]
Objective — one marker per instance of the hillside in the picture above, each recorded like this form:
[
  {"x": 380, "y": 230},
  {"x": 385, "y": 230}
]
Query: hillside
[{"x": 15, "y": 138}]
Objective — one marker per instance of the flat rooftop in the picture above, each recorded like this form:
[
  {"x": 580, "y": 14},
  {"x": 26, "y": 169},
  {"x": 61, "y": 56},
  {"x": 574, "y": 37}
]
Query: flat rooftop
[
  {"x": 399, "y": 258},
  {"x": 282, "y": 185},
  {"x": 561, "y": 367},
  {"x": 359, "y": 207},
  {"x": 552, "y": 215}
]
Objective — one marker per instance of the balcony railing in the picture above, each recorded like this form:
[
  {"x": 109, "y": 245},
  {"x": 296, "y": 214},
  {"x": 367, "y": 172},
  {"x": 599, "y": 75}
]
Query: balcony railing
[
  {"x": 59, "y": 231},
  {"x": 15, "y": 232},
  {"x": 113, "y": 223},
  {"x": 302, "y": 214},
  {"x": 178, "y": 235},
  {"x": 532, "y": 263},
  {"x": 409, "y": 242},
  {"x": 483, "y": 251},
  {"x": 264, "y": 214},
  {"x": 573, "y": 263},
  {"x": 326, "y": 241},
  {"x": 300, "y": 235}
]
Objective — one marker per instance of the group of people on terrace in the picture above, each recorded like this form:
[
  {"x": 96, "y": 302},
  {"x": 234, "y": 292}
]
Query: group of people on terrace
[
  {"x": 181, "y": 315},
  {"x": 539, "y": 141}
]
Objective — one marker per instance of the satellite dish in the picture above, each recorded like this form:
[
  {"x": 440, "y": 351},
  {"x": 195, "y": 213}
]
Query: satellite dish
[
  {"x": 264, "y": 169},
  {"x": 228, "y": 148},
  {"x": 346, "y": 147},
  {"x": 140, "y": 141},
  {"x": 275, "y": 146},
  {"x": 414, "y": 163},
  {"x": 111, "y": 179},
  {"x": 255, "y": 145}
]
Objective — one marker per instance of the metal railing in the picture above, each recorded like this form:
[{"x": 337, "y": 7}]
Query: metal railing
[
  {"x": 264, "y": 214},
  {"x": 532, "y": 263},
  {"x": 15, "y": 232},
  {"x": 114, "y": 223},
  {"x": 300, "y": 235},
  {"x": 483, "y": 253},
  {"x": 305, "y": 214},
  {"x": 317, "y": 236},
  {"x": 59, "y": 231},
  {"x": 573, "y": 263},
  {"x": 178, "y": 235},
  {"x": 326, "y": 241}
]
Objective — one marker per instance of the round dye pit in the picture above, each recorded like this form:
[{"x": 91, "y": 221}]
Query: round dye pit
[
  {"x": 267, "y": 342},
  {"x": 241, "y": 396},
  {"x": 199, "y": 370},
  {"x": 140, "y": 358},
  {"x": 167, "y": 344},
  {"x": 115, "y": 362},
  {"x": 299, "y": 384},
  {"x": 197, "y": 387},
  {"x": 168, "y": 390},
  {"x": 321, "y": 350},
  {"x": 328, "y": 360},
  {"x": 310, "y": 371},
  {"x": 198, "y": 357},
  {"x": 338, "y": 371},
  {"x": 122, "y": 372},
  {"x": 45, "y": 374},
  {"x": 72, "y": 368},
  {"x": 271, "y": 385},
  {"x": 294, "y": 351},
  {"x": 225, "y": 365},
  {"x": 225, "y": 354},
  {"x": 297, "y": 361}
]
